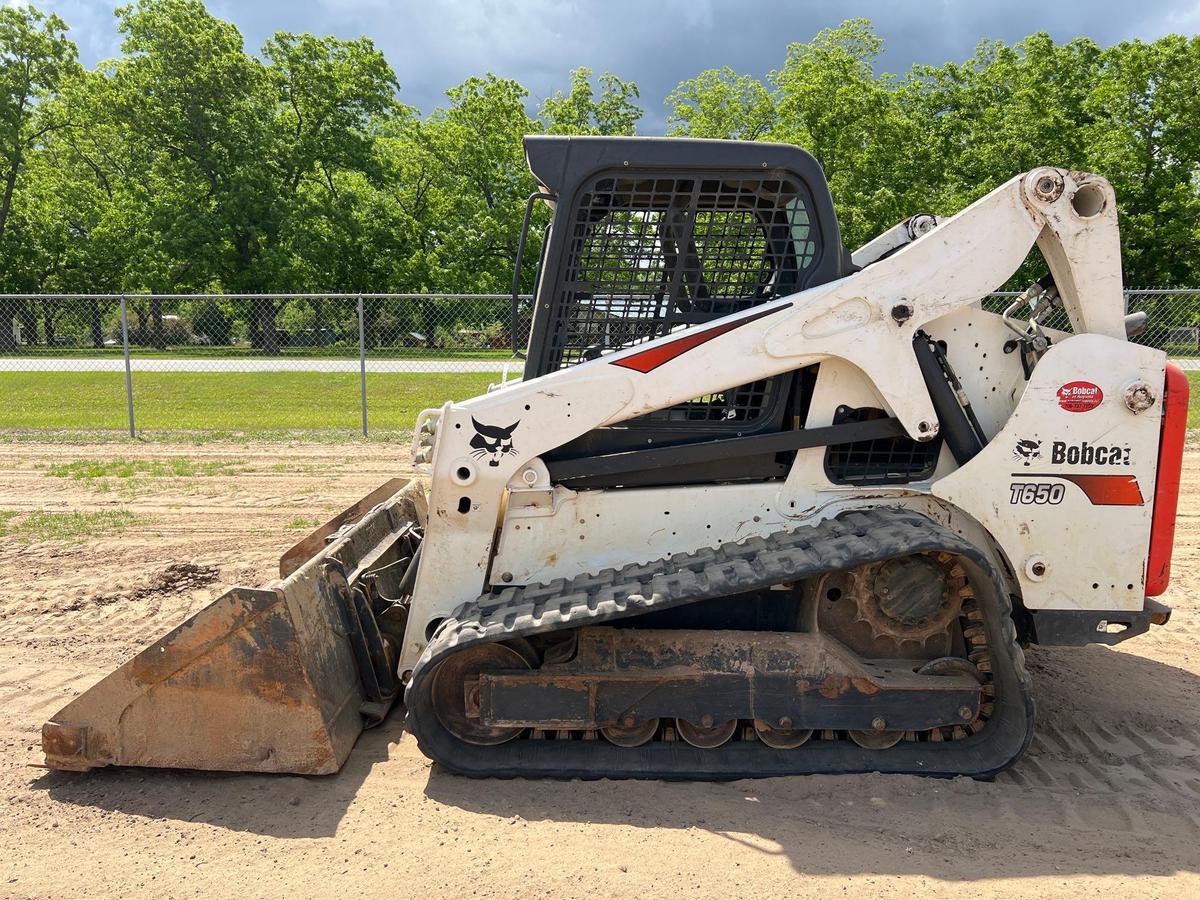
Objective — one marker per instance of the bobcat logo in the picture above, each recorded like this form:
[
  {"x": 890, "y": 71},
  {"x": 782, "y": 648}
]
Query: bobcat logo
[
  {"x": 492, "y": 441},
  {"x": 1027, "y": 451}
]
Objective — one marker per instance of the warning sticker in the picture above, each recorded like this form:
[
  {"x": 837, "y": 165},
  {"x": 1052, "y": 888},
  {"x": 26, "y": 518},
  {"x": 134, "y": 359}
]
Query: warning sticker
[{"x": 1079, "y": 396}]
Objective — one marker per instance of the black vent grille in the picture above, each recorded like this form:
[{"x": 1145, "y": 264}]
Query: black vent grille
[
  {"x": 649, "y": 254},
  {"x": 894, "y": 460}
]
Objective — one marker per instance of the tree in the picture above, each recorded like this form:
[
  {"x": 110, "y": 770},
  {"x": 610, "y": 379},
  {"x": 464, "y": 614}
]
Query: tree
[
  {"x": 240, "y": 140},
  {"x": 189, "y": 164},
  {"x": 76, "y": 202},
  {"x": 210, "y": 321},
  {"x": 580, "y": 111},
  {"x": 1143, "y": 108},
  {"x": 35, "y": 58},
  {"x": 830, "y": 102},
  {"x": 827, "y": 99},
  {"x": 1003, "y": 111},
  {"x": 330, "y": 91},
  {"x": 481, "y": 183},
  {"x": 719, "y": 103},
  {"x": 941, "y": 136},
  {"x": 199, "y": 103}
]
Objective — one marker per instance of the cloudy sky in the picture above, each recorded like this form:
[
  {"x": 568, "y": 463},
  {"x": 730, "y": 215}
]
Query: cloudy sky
[{"x": 434, "y": 44}]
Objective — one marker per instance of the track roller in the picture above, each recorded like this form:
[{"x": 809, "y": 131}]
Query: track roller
[
  {"x": 630, "y": 735},
  {"x": 781, "y": 738},
  {"x": 707, "y": 734},
  {"x": 876, "y": 740}
]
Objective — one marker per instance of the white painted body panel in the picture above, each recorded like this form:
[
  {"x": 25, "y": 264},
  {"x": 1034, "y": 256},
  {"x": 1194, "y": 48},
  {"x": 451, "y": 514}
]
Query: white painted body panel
[{"x": 1095, "y": 555}]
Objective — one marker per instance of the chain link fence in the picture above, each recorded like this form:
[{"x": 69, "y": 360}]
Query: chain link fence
[
  {"x": 287, "y": 362},
  {"x": 321, "y": 362}
]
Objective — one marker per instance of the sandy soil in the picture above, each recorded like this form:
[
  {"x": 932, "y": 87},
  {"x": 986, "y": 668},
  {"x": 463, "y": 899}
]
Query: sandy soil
[{"x": 1107, "y": 800}]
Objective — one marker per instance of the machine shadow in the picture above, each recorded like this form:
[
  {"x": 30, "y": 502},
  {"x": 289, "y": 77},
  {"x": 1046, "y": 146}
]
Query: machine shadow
[
  {"x": 283, "y": 806},
  {"x": 1132, "y": 820},
  {"x": 895, "y": 825}
]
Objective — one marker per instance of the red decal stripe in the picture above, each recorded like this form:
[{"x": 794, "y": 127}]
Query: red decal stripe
[
  {"x": 649, "y": 360},
  {"x": 1102, "y": 490},
  {"x": 1109, "y": 490}
]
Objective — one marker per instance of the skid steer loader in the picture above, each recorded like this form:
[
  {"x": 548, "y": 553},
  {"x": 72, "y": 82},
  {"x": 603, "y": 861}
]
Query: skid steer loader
[{"x": 759, "y": 505}]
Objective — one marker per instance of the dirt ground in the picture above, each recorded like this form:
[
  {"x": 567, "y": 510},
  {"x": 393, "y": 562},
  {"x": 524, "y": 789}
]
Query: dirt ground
[{"x": 1107, "y": 800}]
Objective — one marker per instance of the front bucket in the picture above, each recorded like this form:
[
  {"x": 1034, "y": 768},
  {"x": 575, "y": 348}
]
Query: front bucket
[{"x": 260, "y": 680}]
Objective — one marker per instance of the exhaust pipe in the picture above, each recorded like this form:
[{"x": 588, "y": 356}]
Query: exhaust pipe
[{"x": 1135, "y": 324}]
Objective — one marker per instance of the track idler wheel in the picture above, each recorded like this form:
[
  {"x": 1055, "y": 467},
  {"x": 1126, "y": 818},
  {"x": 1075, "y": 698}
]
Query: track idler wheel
[
  {"x": 781, "y": 738},
  {"x": 708, "y": 734},
  {"x": 459, "y": 673},
  {"x": 630, "y": 735}
]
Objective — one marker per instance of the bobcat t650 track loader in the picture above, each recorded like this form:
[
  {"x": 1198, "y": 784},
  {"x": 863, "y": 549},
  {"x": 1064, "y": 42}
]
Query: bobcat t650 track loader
[{"x": 759, "y": 505}]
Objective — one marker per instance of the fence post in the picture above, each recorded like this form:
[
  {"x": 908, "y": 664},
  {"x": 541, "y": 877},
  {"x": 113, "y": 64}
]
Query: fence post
[
  {"x": 128, "y": 374},
  {"x": 362, "y": 363}
]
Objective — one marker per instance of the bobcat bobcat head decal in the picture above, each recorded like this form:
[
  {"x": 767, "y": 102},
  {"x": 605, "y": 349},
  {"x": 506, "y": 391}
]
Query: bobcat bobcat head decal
[
  {"x": 492, "y": 441},
  {"x": 1027, "y": 451}
]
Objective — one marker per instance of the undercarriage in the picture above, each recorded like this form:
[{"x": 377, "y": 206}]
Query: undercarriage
[{"x": 877, "y": 641}]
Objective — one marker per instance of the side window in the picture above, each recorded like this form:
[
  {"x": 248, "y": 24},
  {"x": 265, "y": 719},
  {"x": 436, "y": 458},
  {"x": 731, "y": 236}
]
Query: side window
[{"x": 648, "y": 254}]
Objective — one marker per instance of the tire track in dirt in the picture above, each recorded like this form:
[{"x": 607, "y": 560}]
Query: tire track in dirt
[
  {"x": 135, "y": 615},
  {"x": 30, "y": 692},
  {"x": 1094, "y": 758}
]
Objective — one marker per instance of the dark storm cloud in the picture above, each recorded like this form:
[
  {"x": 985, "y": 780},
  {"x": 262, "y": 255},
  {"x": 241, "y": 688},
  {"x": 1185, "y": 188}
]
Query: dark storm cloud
[{"x": 435, "y": 44}]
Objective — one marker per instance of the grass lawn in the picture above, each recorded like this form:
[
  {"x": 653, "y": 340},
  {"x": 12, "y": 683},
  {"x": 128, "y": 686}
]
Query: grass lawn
[
  {"x": 264, "y": 403},
  {"x": 88, "y": 471},
  {"x": 1194, "y": 400}
]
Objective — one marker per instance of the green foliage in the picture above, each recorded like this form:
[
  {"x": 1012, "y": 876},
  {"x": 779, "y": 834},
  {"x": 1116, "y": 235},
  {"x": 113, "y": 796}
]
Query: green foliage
[
  {"x": 941, "y": 136},
  {"x": 580, "y": 111},
  {"x": 91, "y": 470},
  {"x": 472, "y": 151},
  {"x": 131, "y": 476},
  {"x": 829, "y": 101},
  {"x": 193, "y": 163},
  {"x": 1145, "y": 107},
  {"x": 36, "y": 62},
  {"x": 719, "y": 103}
]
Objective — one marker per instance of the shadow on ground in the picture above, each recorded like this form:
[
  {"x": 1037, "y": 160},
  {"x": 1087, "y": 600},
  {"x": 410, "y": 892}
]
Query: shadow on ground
[
  {"x": 1111, "y": 786},
  {"x": 285, "y": 806}
]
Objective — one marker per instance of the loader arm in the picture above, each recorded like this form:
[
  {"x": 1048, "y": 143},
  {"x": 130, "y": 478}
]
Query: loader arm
[{"x": 867, "y": 319}]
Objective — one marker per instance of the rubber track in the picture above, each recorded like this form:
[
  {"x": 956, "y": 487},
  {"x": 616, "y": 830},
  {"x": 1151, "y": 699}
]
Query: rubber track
[{"x": 849, "y": 540}]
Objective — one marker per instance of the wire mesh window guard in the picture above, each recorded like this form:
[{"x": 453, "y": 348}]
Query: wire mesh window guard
[
  {"x": 650, "y": 254},
  {"x": 892, "y": 460}
]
